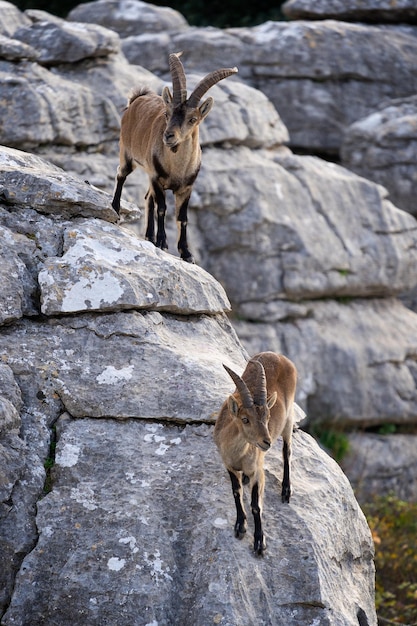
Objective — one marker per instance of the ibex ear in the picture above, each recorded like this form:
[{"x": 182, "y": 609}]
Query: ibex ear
[
  {"x": 205, "y": 108},
  {"x": 232, "y": 405},
  {"x": 271, "y": 400},
  {"x": 166, "y": 95}
]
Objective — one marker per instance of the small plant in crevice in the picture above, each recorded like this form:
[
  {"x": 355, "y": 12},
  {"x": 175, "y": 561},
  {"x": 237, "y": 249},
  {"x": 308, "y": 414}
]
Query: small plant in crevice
[{"x": 50, "y": 462}]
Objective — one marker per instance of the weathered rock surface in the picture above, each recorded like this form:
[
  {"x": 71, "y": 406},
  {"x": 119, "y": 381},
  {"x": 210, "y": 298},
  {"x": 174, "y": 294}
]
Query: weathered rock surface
[
  {"x": 128, "y": 17},
  {"x": 382, "y": 465},
  {"x": 357, "y": 359},
  {"x": 352, "y": 10},
  {"x": 122, "y": 543},
  {"x": 311, "y": 257},
  {"x": 383, "y": 148},
  {"x": 95, "y": 548}
]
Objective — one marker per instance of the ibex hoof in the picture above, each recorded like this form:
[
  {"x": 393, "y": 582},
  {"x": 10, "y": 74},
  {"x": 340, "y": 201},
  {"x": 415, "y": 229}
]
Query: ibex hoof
[
  {"x": 286, "y": 494},
  {"x": 259, "y": 547},
  {"x": 240, "y": 530},
  {"x": 188, "y": 259}
]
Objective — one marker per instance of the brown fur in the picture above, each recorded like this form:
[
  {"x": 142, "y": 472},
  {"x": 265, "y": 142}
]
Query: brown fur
[{"x": 243, "y": 435}]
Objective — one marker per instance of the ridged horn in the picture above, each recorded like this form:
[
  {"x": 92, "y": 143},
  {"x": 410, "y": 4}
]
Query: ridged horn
[
  {"x": 241, "y": 387},
  {"x": 179, "y": 82},
  {"x": 207, "y": 82},
  {"x": 259, "y": 394}
]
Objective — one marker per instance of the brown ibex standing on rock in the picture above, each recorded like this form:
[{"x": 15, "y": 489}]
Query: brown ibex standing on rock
[
  {"x": 250, "y": 420},
  {"x": 161, "y": 135}
]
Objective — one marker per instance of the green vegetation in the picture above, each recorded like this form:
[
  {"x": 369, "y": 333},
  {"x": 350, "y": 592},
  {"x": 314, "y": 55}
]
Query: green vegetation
[
  {"x": 335, "y": 441},
  {"x": 393, "y": 524},
  {"x": 196, "y": 12}
]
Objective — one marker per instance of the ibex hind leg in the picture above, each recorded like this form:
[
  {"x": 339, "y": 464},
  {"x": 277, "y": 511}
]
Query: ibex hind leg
[{"x": 123, "y": 172}]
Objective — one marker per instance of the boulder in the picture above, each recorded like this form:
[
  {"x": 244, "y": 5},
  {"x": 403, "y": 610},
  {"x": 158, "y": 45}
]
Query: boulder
[
  {"x": 38, "y": 107},
  {"x": 11, "y": 18},
  {"x": 356, "y": 359},
  {"x": 383, "y": 148},
  {"x": 66, "y": 42},
  {"x": 128, "y": 17},
  {"x": 382, "y": 464},
  {"x": 264, "y": 237},
  {"x": 105, "y": 268},
  {"x": 374, "y": 11},
  {"x": 103, "y": 555}
]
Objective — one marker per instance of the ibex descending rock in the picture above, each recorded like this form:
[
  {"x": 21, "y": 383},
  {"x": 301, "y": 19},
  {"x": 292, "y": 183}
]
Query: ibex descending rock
[
  {"x": 161, "y": 135},
  {"x": 250, "y": 420}
]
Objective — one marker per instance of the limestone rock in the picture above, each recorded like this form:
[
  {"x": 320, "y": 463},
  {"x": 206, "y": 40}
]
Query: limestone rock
[
  {"x": 103, "y": 555},
  {"x": 105, "y": 268},
  {"x": 66, "y": 42},
  {"x": 11, "y": 18},
  {"x": 128, "y": 17},
  {"x": 376, "y": 11},
  {"x": 39, "y": 107},
  {"x": 263, "y": 238},
  {"x": 29, "y": 181},
  {"x": 14, "y": 50},
  {"x": 18, "y": 290},
  {"x": 382, "y": 464},
  {"x": 356, "y": 359},
  {"x": 317, "y": 93},
  {"x": 383, "y": 148}
]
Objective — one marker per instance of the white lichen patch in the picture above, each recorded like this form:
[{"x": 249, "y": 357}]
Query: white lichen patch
[
  {"x": 131, "y": 542},
  {"x": 115, "y": 564},
  {"x": 111, "y": 376},
  {"x": 84, "y": 495},
  {"x": 68, "y": 455},
  {"x": 158, "y": 572},
  {"x": 92, "y": 291},
  {"x": 220, "y": 522}
]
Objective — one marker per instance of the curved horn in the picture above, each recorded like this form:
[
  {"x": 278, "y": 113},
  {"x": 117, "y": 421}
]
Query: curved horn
[
  {"x": 179, "y": 84},
  {"x": 259, "y": 394},
  {"x": 207, "y": 82},
  {"x": 241, "y": 387}
]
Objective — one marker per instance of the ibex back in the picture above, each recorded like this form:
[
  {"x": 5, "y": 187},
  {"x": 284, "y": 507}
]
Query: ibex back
[
  {"x": 161, "y": 135},
  {"x": 250, "y": 420}
]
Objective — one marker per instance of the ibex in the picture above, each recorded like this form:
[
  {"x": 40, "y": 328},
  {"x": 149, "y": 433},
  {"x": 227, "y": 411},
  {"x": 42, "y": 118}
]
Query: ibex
[
  {"x": 161, "y": 135},
  {"x": 250, "y": 420}
]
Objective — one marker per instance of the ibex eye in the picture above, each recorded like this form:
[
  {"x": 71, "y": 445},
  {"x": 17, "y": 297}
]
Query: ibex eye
[
  {"x": 245, "y": 420},
  {"x": 192, "y": 120}
]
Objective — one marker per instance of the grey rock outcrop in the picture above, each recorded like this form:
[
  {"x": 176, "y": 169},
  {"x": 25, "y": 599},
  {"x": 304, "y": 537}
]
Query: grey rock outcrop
[
  {"x": 118, "y": 347},
  {"x": 139, "y": 506},
  {"x": 383, "y": 148},
  {"x": 352, "y": 10}
]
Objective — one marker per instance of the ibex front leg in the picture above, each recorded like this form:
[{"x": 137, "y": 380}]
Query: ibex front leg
[
  {"x": 240, "y": 525},
  {"x": 181, "y": 206},
  {"x": 256, "y": 506},
  {"x": 158, "y": 194}
]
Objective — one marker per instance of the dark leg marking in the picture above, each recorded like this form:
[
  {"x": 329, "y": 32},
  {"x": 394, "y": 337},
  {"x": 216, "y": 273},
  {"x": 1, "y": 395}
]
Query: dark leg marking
[
  {"x": 161, "y": 238},
  {"x": 122, "y": 174},
  {"x": 286, "y": 485},
  {"x": 240, "y": 526},
  {"x": 259, "y": 543},
  {"x": 182, "y": 240},
  {"x": 150, "y": 227}
]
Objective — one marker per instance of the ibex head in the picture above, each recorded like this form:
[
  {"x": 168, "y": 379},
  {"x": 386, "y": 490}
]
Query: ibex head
[
  {"x": 183, "y": 114},
  {"x": 250, "y": 404}
]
